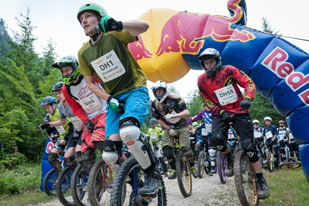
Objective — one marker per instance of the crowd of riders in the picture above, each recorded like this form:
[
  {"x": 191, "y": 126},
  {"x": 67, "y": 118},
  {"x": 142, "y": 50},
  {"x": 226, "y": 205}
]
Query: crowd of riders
[{"x": 103, "y": 102}]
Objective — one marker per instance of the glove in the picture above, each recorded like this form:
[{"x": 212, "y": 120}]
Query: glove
[
  {"x": 89, "y": 126},
  {"x": 116, "y": 104},
  {"x": 154, "y": 141},
  {"x": 227, "y": 116},
  {"x": 169, "y": 116},
  {"x": 245, "y": 104},
  {"x": 44, "y": 125},
  {"x": 109, "y": 24},
  {"x": 172, "y": 132}
]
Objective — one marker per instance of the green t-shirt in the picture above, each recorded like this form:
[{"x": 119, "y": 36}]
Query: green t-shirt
[
  {"x": 154, "y": 134},
  {"x": 63, "y": 129},
  {"x": 112, "y": 63}
]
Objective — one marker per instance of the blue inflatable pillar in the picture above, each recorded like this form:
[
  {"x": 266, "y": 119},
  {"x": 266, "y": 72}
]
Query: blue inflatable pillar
[
  {"x": 304, "y": 157},
  {"x": 46, "y": 167}
]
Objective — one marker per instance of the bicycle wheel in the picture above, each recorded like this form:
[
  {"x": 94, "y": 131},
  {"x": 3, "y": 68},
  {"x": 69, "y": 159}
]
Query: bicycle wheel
[
  {"x": 270, "y": 162},
  {"x": 125, "y": 188},
  {"x": 79, "y": 186},
  {"x": 245, "y": 180},
  {"x": 100, "y": 184},
  {"x": 221, "y": 165},
  {"x": 183, "y": 175},
  {"x": 201, "y": 164},
  {"x": 63, "y": 187},
  {"x": 291, "y": 164},
  {"x": 49, "y": 183}
]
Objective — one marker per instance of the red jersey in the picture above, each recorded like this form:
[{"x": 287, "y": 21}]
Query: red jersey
[{"x": 222, "y": 93}]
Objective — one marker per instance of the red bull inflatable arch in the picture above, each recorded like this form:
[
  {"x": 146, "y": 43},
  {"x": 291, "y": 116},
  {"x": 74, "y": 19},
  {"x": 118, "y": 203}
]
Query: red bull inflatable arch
[{"x": 280, "y": 70}]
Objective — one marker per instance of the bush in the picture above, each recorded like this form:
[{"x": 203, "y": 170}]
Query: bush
[{"x": 11, "y": 160}]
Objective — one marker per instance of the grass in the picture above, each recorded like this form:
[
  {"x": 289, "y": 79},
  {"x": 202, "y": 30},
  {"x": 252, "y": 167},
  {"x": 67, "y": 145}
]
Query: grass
[
  {"x": 20, "y": 185},
  {"x": 287, "y": 187}
]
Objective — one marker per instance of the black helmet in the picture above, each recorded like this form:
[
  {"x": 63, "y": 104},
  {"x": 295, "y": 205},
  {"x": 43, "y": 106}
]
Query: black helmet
[
  {"x": 211, "y": 53},
  {"x": 57, "y": 86}
]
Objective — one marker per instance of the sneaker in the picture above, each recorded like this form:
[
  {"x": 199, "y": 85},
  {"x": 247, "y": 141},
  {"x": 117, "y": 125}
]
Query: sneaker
[
  {"x": 262, "y": 187},
  {"x": 150, "y": 186},
  {"x": 229, "y": 167},
  {"x": 213, "y": 169},
  {"x": 172, "y": 174},
  {"x": 194, "y": 170}
]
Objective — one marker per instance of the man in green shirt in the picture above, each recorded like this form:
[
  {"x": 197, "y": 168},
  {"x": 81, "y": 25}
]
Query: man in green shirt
[{"x": 106, "y": 56}]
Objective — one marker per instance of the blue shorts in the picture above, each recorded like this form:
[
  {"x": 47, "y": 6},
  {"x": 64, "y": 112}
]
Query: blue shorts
[{"x": 136, "y": 105}]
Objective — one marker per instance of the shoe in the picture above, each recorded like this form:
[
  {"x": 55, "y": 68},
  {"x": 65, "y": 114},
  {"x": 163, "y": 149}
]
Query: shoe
[
  {"x": 229, "y": 168},
  {"x": 172, "y": 174},
  {"x": 262, "y": 187},
  {"x": 193, "y": 170},
  {"x": 165, "y": 174},
  {"x": 213, "y": 169},
  {"x": 150, "y": 186}
]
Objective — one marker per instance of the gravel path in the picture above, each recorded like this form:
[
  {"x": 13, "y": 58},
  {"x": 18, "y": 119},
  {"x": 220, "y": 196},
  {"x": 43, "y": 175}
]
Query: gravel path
[{"x": 206, "y": 191}]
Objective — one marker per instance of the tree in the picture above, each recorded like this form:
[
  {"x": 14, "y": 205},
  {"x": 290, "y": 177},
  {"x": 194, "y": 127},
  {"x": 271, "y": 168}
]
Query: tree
[{"x": 195, "y": 104}]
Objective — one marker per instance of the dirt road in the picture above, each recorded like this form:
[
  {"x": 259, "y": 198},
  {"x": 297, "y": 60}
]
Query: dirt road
[{"x": 206, "y": 191}]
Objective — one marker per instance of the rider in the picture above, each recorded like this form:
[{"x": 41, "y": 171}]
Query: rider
[
  {"x": 220, "y": 92},
  {"x": 106, "y": 55},
  {"x": 283, "y": 133},
  {"x": 258, "y": 135},
  {"x": 155, "y": 137},
  {"x": 89, "y": 108},
  {"x": 206, "y": 116},
  {"x": 65, "y": 130},
  {"x": 270, "y": 135},
  {"x": 171, "y": 112}
]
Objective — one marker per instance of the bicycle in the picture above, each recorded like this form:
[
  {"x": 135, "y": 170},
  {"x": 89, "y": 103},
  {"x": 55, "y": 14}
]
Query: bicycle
[
  {"x": 290, "y": 162},
  {"x": 270, "y": 158},
  {"x": 221, "y": 158},
  {"x": 100, "y": 183},
  {"x": 129, "y": 178},
  {"x": 78, "y": 185},
  {"x": 244, "y": 176},
  {"x": 204, "y": 164}
]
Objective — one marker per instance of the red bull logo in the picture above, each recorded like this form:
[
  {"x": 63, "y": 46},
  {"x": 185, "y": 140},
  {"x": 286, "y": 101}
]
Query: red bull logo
[{"x": 172, "y": 34}]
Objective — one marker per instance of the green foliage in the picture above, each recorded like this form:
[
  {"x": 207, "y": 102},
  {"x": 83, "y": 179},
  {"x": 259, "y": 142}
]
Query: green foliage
[
  {"x": 261, "y": 107},
  {"x": 20, "y": 179},
  {"x": 25, "y": 79},
  {"x": 195, "y": 104}
]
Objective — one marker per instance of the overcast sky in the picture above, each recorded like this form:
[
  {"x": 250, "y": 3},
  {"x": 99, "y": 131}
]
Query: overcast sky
[{"x": 56, "y": 20}]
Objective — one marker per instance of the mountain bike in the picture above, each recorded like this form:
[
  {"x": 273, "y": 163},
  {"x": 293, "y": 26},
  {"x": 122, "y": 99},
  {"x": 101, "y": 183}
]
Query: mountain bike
[
  {"x": 245, "y": 178},
  {"x": 100, "y": 184},
  {"x": 129, "y": 178}
]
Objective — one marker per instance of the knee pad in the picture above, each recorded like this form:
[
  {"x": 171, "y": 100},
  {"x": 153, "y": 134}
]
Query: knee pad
[
  {"x": 52, "y": 157},
  {"x": 168, "y": 152},
  {"x": 219, "y": 141},
  {"x": 250, "y": 149},
  {"x": 212, "y": 152},
  {"x": 69, "y": 161},
  {"x": 129, "y": 133},
  {"x": 99, "y": 145},
  {"x": 110, "y": 154}
]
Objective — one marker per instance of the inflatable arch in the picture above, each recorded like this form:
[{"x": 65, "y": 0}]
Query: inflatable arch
[{"x": 280, "y": 70}]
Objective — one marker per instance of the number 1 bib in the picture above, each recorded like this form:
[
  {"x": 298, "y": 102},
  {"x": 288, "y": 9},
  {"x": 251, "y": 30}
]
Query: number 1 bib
[
  {"x": 226, "y": 95},
  {"x": 108, "y": 66}
]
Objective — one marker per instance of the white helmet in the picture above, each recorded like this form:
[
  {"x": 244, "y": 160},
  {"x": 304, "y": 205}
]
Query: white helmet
[
  {"x": 268, "y": 118},
  {"x": 256, "y": 122},
  {"x": 160, "y": 85}
]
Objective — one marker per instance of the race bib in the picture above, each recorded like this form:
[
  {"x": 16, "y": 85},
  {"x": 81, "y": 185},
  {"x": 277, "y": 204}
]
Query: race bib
[
  {"x": 75, "y": 121},
  {"x": 60, "y": 129},
  {"x": 226, "y": 95},
  {"x": 209, "y": 127},
  {"x": 204, "y": 132},
  {"x": 269, "y": 135},
  {"x": 153, "y": 135},
  {"x": 90, "y": 104},
  {"x": 108, "y": 66},
  {"x": 257, "y": 134}
]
